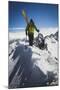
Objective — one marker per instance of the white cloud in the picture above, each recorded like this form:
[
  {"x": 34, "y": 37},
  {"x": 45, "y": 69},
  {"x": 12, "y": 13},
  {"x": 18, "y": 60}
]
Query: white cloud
[
  {"x": 16, "y": 28},
  {"x": 20, "y": 32},
  {"x": 48, "y": 31}
]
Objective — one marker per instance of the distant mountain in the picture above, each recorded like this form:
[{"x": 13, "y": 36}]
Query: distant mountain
[
  {"x": 40, "y": 39},
  {"x": 56, "y": 35}
]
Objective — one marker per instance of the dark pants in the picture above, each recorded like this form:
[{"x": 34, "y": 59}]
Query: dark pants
[{"x": 31, "y": 38}]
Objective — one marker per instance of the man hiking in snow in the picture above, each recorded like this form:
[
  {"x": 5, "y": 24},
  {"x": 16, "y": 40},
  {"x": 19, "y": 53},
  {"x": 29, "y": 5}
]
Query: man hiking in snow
[
  {"x": 30, "y": 28},
  {"x": 30, "y": 31}
]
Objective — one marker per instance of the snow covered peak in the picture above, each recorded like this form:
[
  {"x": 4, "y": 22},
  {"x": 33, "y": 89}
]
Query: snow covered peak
[{"x": 37, "y": 65}]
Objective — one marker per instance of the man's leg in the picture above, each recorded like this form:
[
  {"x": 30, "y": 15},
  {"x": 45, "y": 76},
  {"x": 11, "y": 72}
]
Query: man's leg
[{"x": 31, "y": 37}]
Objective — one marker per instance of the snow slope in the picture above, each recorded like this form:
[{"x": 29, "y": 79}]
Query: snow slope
[{"x": 32, "y": 66}]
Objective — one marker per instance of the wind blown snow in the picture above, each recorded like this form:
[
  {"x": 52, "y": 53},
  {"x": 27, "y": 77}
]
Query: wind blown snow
[{"x": 45, "y": 60}]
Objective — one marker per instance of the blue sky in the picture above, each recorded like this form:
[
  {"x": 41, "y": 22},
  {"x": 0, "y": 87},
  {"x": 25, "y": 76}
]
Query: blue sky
[{"x": 44, "y": 15}]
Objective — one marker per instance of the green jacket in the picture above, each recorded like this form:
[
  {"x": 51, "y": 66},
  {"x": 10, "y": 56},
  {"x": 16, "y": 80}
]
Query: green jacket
[{"x": 30, "y": 29}]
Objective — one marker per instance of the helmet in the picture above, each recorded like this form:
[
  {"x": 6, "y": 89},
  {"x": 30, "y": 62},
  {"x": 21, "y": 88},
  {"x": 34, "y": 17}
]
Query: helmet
[{"x": 31, "y": 21}]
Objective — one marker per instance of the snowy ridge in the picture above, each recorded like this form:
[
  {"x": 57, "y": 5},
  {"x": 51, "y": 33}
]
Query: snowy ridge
[{"x": 32, "y": 66}]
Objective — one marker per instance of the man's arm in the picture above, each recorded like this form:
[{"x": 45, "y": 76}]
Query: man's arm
[
  {"x": 26, "y": 29},
  {"x": 36, "y": 28}
]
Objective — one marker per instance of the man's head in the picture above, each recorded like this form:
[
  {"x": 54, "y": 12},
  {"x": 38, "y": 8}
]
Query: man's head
[{"x": 31, "y": 22}]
